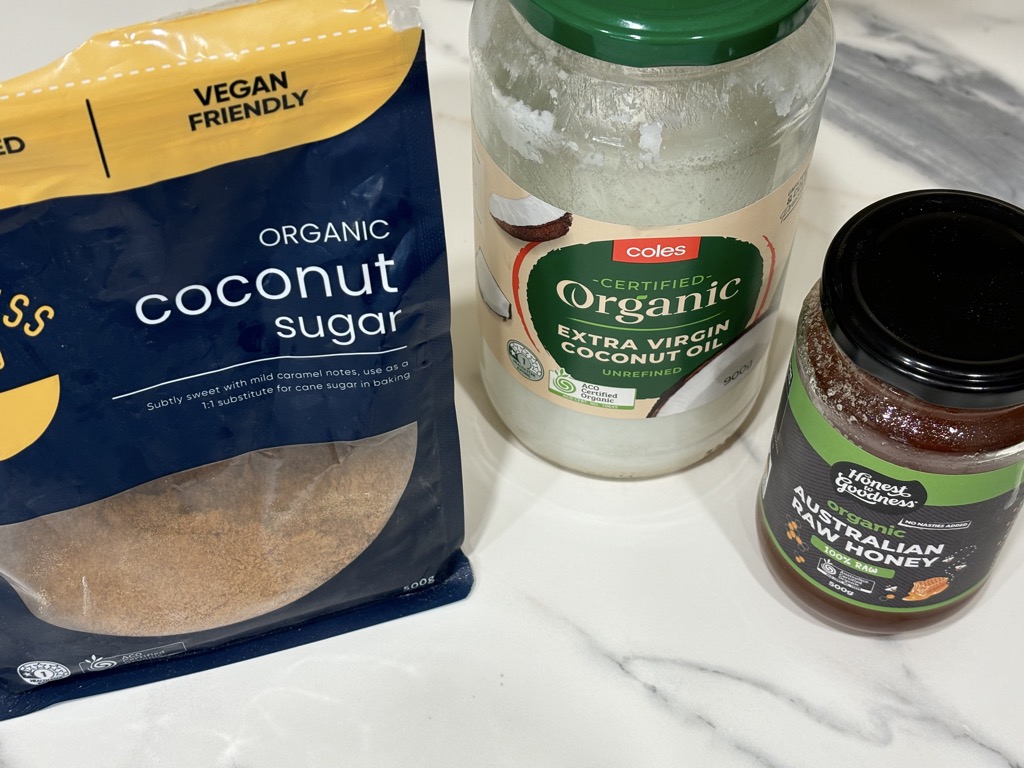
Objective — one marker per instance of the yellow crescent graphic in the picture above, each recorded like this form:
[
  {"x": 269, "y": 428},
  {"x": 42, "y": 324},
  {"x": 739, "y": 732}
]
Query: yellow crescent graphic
[{"x": 25, "y": 413}]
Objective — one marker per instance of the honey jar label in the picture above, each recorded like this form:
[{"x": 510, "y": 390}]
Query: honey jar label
[
  {"x": 872, "y": 533},
  {"x": 621, "y": 321}
]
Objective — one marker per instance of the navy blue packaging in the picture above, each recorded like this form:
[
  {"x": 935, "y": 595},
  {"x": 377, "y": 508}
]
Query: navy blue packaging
[{"x": 226, "y": 406}]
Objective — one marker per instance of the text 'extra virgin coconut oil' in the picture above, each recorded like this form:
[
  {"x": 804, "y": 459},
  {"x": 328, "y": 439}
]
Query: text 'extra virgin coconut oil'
[{"x": 638, "y": 170}]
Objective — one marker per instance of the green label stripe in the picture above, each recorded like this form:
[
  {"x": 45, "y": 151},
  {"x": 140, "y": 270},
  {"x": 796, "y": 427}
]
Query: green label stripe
[
  {"x": 850, "y": 562},
  {"x": 575, "y": 399},
  {"x": 943, "y": 490}
]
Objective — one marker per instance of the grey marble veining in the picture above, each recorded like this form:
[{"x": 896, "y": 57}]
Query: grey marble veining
[{"x": 925, "y": 106}]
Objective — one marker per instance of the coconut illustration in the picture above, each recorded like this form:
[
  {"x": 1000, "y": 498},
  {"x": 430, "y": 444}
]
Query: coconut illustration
[
  {"x": 719, "y": 374},
  {"x": 489, "y": 289},
  {"x": 529, "y": 219}
]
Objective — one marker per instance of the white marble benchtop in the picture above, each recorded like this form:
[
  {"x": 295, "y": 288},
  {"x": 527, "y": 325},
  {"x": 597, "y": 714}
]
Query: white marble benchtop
[{"x": 622, "y": 625}]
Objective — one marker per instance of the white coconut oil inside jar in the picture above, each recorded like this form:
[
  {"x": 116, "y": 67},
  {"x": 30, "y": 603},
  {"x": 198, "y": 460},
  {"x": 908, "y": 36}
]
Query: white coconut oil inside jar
[{"x": 645, "y": 147}]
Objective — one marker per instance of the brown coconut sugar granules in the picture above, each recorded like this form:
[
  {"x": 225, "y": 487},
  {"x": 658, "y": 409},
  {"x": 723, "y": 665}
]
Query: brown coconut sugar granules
[{"x": 209, "y": 546}]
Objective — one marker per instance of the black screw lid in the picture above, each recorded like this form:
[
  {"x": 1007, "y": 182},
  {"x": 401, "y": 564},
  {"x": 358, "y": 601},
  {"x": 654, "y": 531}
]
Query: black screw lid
[{"x": 925, "y": 290}]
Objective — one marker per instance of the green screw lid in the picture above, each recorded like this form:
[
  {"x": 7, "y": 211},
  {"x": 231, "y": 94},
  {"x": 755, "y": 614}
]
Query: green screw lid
[{"x": 656, "y": 33}]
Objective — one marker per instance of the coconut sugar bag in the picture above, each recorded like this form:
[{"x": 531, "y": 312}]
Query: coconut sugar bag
[{"x": 226, "y": 408}]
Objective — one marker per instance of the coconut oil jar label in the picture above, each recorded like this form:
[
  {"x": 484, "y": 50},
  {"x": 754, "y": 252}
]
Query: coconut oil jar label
[{"x": 623, "y": 321}]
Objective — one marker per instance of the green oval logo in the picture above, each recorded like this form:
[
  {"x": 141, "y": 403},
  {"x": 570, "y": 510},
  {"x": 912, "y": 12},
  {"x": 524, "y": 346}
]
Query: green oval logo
[{"x": 643, "y": 324}]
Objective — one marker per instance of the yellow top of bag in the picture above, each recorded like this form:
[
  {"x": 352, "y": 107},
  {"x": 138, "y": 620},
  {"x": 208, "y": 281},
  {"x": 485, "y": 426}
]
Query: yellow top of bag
[{"x": 164, "y": 99}]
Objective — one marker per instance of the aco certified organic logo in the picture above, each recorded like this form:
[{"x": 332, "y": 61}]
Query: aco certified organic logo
[{"x": 876, "y": 489}]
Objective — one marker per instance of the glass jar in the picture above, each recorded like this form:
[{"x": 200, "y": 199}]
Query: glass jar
[
  {"x": 896, "y": 465},
  {"x": 638, "y": 168}
]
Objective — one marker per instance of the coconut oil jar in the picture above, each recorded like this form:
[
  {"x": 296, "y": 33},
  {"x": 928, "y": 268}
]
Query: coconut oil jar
[
  {"x": 638, "y": 170},
  {"x": 896, "y": 467}
]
